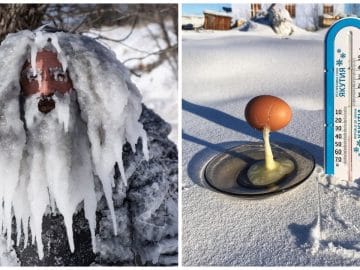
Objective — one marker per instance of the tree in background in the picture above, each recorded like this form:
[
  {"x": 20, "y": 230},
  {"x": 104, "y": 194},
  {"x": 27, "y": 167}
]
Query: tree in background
[
  {"x": 80, "y": 18},
  {"x": 15, "y": 17}
]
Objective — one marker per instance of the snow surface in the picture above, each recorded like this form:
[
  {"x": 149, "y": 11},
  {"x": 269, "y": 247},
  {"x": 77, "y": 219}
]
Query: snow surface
[
  {"x": 211, "y": 12},
  {"x": 7, "y": 258},
  {"x": 45, "y": 160},
  {"x": 316, "y": 223},
  {"x": 196, "y": 21}
]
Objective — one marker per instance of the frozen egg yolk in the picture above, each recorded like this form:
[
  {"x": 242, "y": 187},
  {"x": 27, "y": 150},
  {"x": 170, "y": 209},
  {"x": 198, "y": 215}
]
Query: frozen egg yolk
[{"x": 267, "y": 111}]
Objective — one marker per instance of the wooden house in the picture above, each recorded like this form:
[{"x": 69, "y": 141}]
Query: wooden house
[{"x": 217, "y": 20}]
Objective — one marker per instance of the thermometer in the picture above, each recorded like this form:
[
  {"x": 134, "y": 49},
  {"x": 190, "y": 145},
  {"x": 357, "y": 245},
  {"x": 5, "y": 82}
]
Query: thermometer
[{"x": 342, "y": 99}]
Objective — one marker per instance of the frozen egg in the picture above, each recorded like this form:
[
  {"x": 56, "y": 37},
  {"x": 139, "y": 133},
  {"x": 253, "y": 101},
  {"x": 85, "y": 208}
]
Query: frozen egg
[{"x": 268, "y": 111}]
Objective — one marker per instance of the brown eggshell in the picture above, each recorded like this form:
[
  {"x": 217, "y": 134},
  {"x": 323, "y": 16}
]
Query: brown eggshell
[{"x": 268, "y": 111}]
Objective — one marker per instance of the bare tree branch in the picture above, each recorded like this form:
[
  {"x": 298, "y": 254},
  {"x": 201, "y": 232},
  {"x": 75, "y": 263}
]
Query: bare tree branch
[
  {"x": 122, "y": 39},
  {"x": 15, "y": 17},
  {"x": 172, "y": 48}
]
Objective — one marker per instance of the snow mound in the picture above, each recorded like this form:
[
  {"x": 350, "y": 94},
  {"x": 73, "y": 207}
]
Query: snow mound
[
  {"x": 50, "y": 162},
  {"x": 280, "y": 21},
  {"x": 196, "y": 21},
  {"x": 258, "y": 28}
]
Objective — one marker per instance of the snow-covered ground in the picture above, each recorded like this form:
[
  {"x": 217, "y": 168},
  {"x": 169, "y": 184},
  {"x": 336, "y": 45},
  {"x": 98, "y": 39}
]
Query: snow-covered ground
[
  {"x": 159, "y": 87},
  {"x": 316, "y": 223}
]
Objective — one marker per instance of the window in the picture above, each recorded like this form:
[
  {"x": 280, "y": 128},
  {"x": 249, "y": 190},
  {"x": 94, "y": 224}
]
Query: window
[
  {"x": 328, "y": 9},
  {"x": 255, "y": 8},
  {"x": 291, "y": 9}
]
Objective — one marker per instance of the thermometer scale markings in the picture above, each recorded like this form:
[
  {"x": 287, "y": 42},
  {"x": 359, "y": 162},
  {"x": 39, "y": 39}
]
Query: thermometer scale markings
[{"x": 351, "y": 103}]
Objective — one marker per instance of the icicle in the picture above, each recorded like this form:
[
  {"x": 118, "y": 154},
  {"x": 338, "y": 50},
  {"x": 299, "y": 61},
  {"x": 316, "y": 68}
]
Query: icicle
[
  {"x": 57, "y": 167},
  {"x": 119, "y": 159},
  {"x": 33, "y": 231},
  {"x": 90, "y": 214},
  {"x": 8, "y": 222},
  {"x": 30, "y": 107},
  {"x": 145, "y": 148},
  {"x": 37, "y": 237},
  {"x": 37, "y": 191},
  {"x": 26, "y": 232},
  {"x": 63, "y": 110},
  {"x": 61, "y": 139},
  {"x": 11, "y": 149},
  {"x": 18, "y": 230},
  {"x": 108, "y": 195},
  {"x": 1, "y": 215},
  {"x": 34, "y": 51},
  {"x": 21, "y": 207},
  {"x": 69, "y": 231},
  {"x": 61, "y": 57},
  {"x": 52, "y": 203}
]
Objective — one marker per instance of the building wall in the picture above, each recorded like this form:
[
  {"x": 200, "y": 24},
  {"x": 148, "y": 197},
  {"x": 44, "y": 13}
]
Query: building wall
[
  {"x": 217, "y": 22},
  {"x": 352, "y": 9},
  {"x": 307, "y": 15}
]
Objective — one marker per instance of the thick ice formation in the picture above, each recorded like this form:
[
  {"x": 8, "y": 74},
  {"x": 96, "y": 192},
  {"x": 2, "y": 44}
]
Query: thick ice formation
[{"x": 49, "y": 162}]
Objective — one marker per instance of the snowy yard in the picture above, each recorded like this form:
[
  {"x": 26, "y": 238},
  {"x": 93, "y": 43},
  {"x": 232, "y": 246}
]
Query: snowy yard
[{"x": 316, "y": 223}]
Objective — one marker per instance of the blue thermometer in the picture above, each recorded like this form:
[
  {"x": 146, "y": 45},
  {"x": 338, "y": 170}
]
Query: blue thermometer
[{"x": 342, "y": 99}]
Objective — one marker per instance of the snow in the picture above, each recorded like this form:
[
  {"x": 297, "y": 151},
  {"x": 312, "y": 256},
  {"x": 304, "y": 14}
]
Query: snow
[
  {"x": 7, "y": 258},
  {"x": 315, "y": 223},
  {"x": 255, "y": 29},
  {"x": 196, "y": 21},
  {"x": 41, "y": 40},
  {"x": 222, "y": 14},
  {"x": 45, "y": 160},
  {"x": 159, "y": 86}
]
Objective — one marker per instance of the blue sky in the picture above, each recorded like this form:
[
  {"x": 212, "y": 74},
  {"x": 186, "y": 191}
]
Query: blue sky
[{"x": 197, "y": 9}]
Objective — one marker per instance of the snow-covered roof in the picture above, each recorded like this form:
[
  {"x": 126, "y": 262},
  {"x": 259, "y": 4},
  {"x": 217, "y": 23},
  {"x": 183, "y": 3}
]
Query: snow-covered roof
[{"x": 222, "y": 14}]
